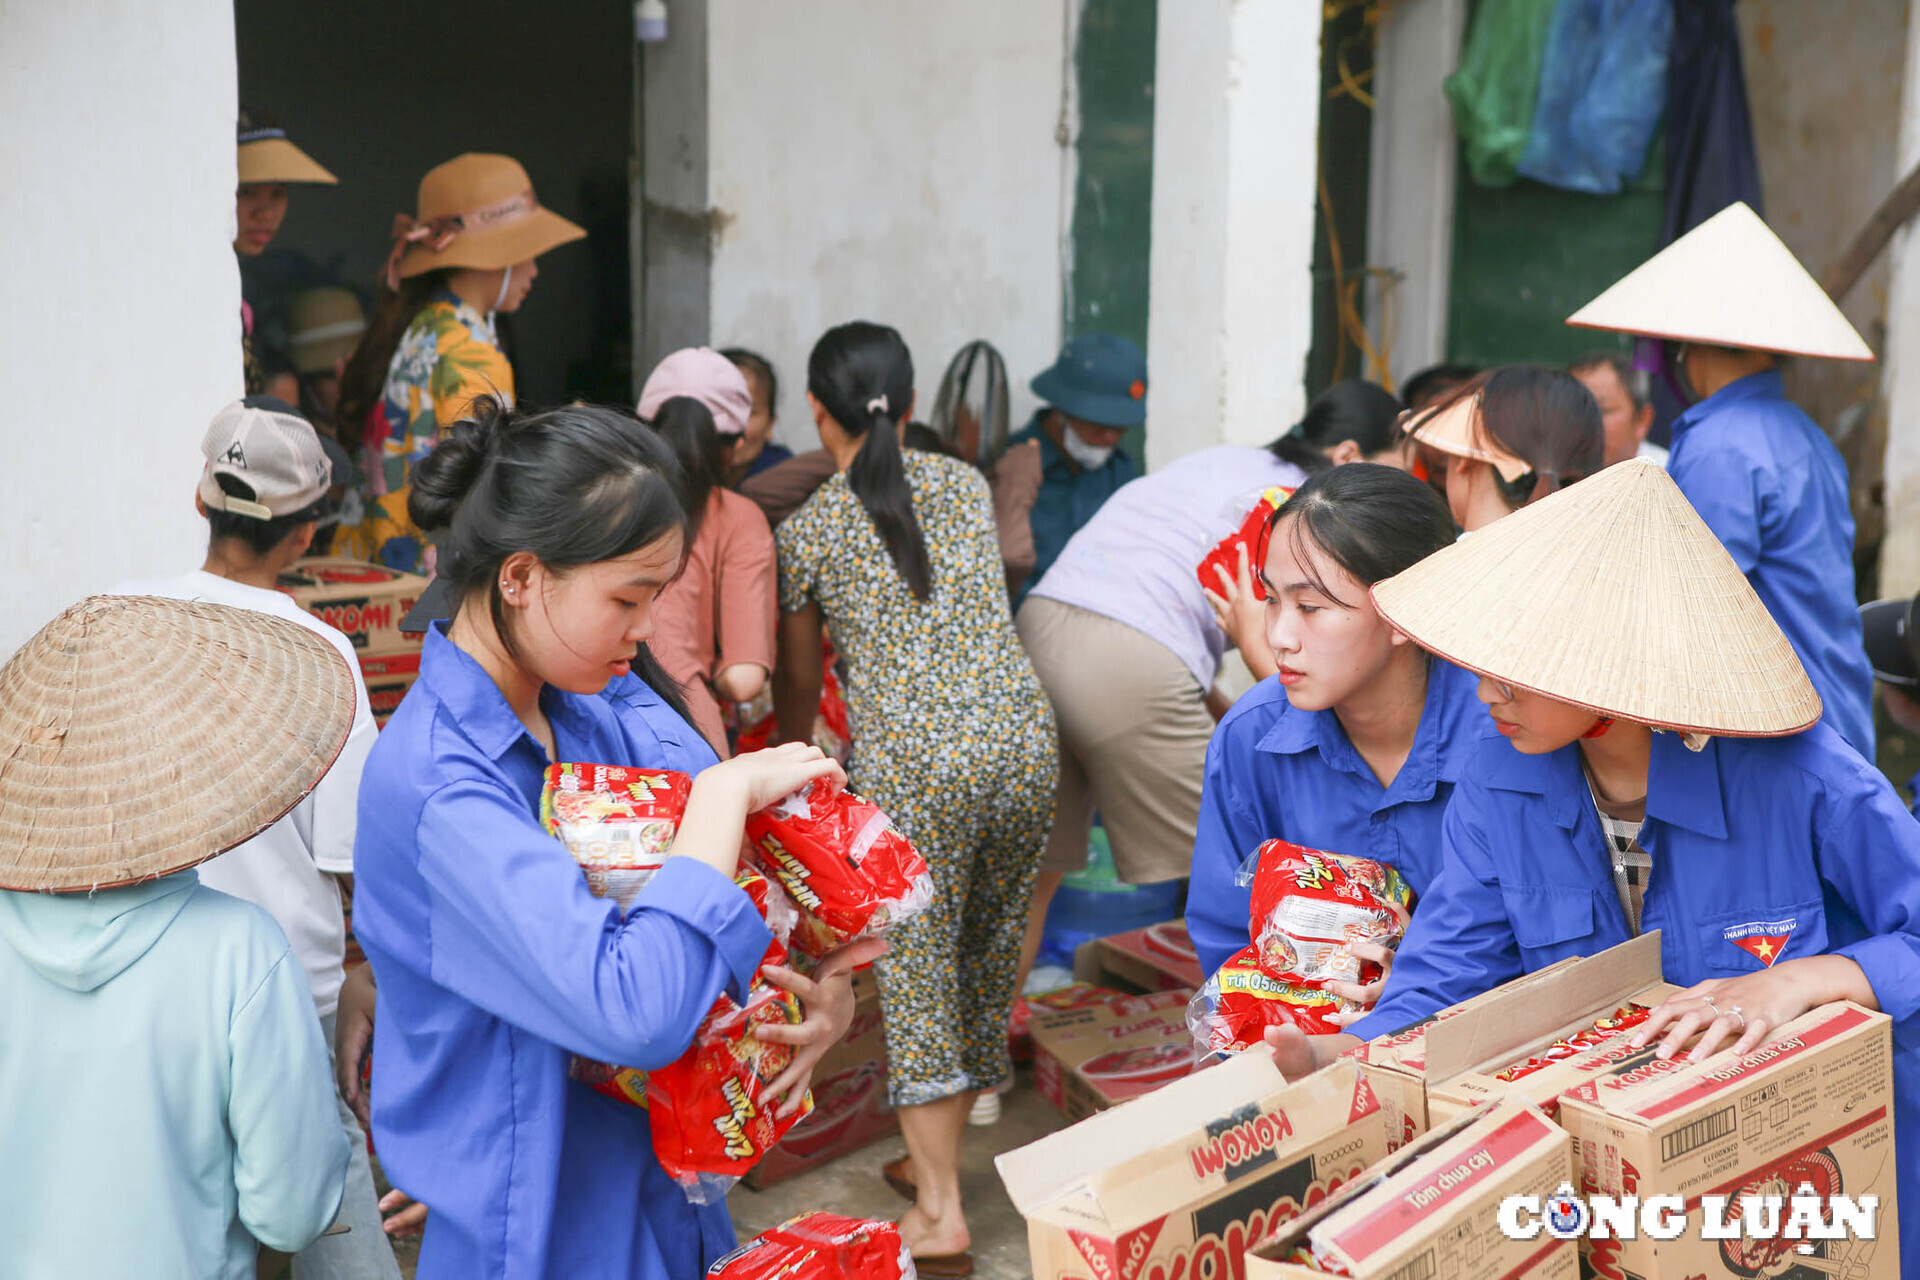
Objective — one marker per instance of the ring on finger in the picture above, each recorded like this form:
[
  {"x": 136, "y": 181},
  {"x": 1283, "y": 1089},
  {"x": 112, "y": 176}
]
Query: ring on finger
[
  {"x": 1711, "y": 1005},
  {"x": 1733, "y": 1011}
]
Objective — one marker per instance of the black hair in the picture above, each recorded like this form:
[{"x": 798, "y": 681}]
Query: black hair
[
  {"x": 918, "y": 435},
  {"x": 863, "y": 374},
  {"x": 1632, "y": 381},
  {"x": 1363, "y": 412},
  {"x": 574, "y": 486},
  {"x": 364, "y": 379},
  {"x": 1544, "y": 417},
  {"x": 1373, "y": 521},
  {"x": 1434, "y": 381},
  {"x": 260, "y": 536},
  {"x": 758, "y": 366},
  {"x": 687, "y": 426}
]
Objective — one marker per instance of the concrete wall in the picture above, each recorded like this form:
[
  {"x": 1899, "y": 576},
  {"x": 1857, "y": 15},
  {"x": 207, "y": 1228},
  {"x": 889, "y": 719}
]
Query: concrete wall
[
  {"x": 1824, "y": 86},
  {"x": 123, "y": 337},
  {"x": 1230, "y": 318},
  {"x": 893, "y": 162}
]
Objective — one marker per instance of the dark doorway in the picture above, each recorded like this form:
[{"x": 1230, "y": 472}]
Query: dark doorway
[{"x": 381, "y": 92}]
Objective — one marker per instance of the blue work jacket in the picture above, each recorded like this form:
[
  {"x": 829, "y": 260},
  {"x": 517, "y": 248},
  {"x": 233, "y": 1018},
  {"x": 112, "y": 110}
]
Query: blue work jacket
[
  {"x": 1793, "y": 838},
  {"x": 1773, "y": 489},
  {"x": 1277, "y": 773},
  {"x": 495, "y": 965},
  {"x": 1069, "y": 495}
]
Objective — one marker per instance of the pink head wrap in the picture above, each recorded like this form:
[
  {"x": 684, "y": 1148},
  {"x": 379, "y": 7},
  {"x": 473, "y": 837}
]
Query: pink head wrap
[{"x": 707, "y": 376}]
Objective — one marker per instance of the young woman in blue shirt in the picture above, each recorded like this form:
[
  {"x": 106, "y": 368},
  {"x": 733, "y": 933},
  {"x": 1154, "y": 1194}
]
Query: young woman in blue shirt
[
  {"x": 1356, "y": 744},
  {"x": 495, "y": 965},
  {"x": 1658, "y": 773}
]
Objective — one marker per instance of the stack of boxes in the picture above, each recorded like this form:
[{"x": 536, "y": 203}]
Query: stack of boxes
[{"x": 367, "y": 602}]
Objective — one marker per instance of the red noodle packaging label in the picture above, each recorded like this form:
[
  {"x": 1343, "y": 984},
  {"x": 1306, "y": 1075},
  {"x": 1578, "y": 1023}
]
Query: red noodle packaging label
[
  {"x": 1252, "y": 534},
  {"x": 820, "y": 1246},
  {"x": 847, "y": 868},
  {"x": 618, "y": 823},
  {"x": 1308, "y": 907}
]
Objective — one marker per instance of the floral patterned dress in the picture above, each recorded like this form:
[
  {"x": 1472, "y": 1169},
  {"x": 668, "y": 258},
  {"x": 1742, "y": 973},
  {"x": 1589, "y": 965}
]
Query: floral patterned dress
[
  {"x": 954, "y": 737},
  {"x": 448, "y": 356}
]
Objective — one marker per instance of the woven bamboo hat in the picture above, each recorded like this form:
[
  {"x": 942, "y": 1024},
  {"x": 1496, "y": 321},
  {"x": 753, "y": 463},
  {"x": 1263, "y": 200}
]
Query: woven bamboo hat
[
  {"x": 476, "y": 211},
  {"x": 140, "y": 736},
  {"x": 1460, "y": 429},
  {"x": 1730, "y": 282},
  {"x": 1611, "y": 594},
  {"x": 267, "y": 156}
]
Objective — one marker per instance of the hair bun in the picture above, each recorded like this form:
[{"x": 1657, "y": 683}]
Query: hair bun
[{"x": 442, "y": 480}]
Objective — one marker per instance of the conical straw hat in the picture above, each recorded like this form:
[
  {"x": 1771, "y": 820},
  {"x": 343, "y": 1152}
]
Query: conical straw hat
[
  {"x": 266, "y": 155},
  {"x": 1460, "y": 429},
  {"x": 1732, "y": 283},
  {"x": 140, "y": 736},
  {"x": 1614, "y": 595}
]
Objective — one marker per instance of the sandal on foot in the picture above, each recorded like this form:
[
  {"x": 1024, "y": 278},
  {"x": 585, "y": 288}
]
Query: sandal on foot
[{"x": 894, "y": 1172}]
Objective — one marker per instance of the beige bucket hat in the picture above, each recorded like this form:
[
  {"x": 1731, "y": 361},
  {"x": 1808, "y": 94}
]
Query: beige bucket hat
[
  {"x": 478, "y": 211},
  {"x": 1611, "y": 594},
  {"x": 1460, "y": 429},
  {"x": 323, "y": 327},
  {"x": 1730, "y": 282},
  {"x": 140, "y": 736},
  {"x": 267, "y": 156}
]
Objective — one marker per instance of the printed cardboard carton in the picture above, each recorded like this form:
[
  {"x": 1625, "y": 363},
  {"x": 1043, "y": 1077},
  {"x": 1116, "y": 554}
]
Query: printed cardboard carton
[
  {"x": 1431, "y": 1209},
  {"x": 1159, "y": 957},
  {"x": 1087, "y": 1059},
  {"x": 1402, "y": 1064},
  {"x": 367, "y": 601},
  {"x": 850, "y": 1107},
  {"x": 1812, "y": 1105},
  {"x": 1177, "y": 1184}
]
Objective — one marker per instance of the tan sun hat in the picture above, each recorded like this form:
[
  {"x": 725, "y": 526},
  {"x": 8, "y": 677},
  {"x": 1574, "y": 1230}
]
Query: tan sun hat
[
  {"x": 476, "y": 211},
  {"x": 142, "y": 736},
  {"x": 1611, "y": 594},
  {"x": 1460, "y": 429},
  {"x": 267, "y": 156},
  {"x": 323, "y": 327},
  {"x": 1732, "y": 283}
]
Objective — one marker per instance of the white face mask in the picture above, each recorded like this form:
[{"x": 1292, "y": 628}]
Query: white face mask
[{"x": 1091, "y": 457}]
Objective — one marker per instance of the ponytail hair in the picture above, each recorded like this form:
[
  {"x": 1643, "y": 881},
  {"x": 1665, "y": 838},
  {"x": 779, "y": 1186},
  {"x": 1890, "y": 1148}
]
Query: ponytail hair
[
  {"x": 1363, "y": 412},
  {"x": 1544, "y": 417},
  {"x": 862, "y": 373},
  {"x": 688, "y": 428},
  {"x": 573, "y": 486}
]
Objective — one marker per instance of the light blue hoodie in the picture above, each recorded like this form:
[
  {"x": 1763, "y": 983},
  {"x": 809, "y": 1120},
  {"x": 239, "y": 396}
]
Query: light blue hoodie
[{"x": 167, "y": 1096}]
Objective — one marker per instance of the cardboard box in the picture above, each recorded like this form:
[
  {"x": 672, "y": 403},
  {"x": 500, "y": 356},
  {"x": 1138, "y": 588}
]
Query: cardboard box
[
  {"x": 1085, "y": 1060},
  {"x": 850, "y": 1107},
  {"x": 367, "y": 601},
  {"x": 1179, "y": 1183},
  {"x": 1159, "y": 957},
  {"x": 1813, "y": 1104},
  {"x": 1075, "y": 995},
  {"x": 388, "y": 677},
  {"x": 1429, "y": 1210},
  {"x": 1492, "y": 1027}
]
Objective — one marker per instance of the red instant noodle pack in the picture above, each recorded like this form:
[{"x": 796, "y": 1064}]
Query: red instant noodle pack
[
  {"x": 1308, "y": 906},
  {"x": 832, "y": 731},
  {"x": 820, "y": 1246},
  {"x": 844, "y": 864},
  {"x": 618, "y": 823},
  {"x": 1252, "y": 534}
]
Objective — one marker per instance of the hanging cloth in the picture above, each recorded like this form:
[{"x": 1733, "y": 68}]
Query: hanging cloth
[
  {"x": 1603, "y": 84},
  {"x": 1711, "y": 160},
  {"x": 1494, "y": 89}
]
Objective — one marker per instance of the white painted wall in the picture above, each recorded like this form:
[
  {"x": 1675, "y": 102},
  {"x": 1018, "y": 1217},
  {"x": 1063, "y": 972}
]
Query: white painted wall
[
  {"x": 884, "y": 161},
  {"x": 1230, "y": 314},
  {"x": 122, "y": 337}
]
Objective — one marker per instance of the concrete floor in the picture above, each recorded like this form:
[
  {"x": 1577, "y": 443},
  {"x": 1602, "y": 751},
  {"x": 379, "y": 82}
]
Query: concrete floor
[{"x": 851, "y": 1185}]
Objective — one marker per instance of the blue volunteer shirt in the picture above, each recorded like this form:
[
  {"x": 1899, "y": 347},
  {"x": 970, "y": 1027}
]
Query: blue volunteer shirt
[
  {"x": 496, "y": 964},
  {"x": 1277, "y": 773},
  {"x": 1069, "y": 495},
  {"x": 1763, "y": 849},
  {"x": 1773, "y": 489}
]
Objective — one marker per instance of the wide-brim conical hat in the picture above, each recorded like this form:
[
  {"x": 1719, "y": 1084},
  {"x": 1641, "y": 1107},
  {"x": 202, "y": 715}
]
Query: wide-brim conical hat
[
  {"x": 274, "y": 159},
  {"x": 1732, "y": 283},
  {"x": 1611, "y": 594},
  {"x": 139, "y": 736}
]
